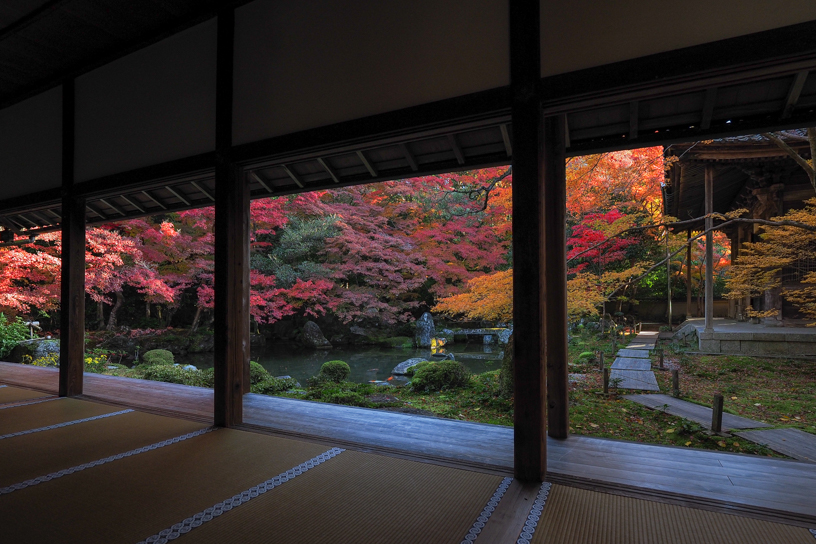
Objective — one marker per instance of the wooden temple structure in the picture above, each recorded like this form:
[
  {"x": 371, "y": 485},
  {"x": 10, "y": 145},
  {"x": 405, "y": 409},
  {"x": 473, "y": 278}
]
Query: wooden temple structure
[{"x": 111, "y": 109}]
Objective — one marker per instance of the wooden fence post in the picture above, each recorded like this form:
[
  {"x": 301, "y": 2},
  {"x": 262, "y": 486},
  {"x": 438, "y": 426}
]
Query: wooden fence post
[{"x": 717, "y": 413}]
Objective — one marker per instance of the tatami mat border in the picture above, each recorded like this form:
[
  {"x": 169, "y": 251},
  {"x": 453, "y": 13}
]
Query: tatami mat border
[
  {"x": 197, "y": 520},
  {"x": 481, "y": 521},
  {"x": 813, "y": 532},
  {"x": 66, "y": 424},
  {"x": 535, "y": 514},
  {"x": 16, "y": 405},
  {"x": 79, "y": 468}
]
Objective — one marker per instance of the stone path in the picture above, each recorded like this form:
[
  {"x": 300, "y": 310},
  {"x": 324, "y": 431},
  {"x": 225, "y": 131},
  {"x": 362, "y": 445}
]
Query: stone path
[
  {"x": 791, "y": 442},
  {"x": 694, "y": 412},
  {"x": 632, "y": 369}
]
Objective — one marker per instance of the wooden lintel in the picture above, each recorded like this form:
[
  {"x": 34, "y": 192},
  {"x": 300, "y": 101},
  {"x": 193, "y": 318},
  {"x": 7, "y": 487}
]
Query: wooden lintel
[
  {"x": 367, "y": 164},
  {"x": 708, "y": 107},
  {"x": 793, "y": 93},
  {"x": 292, "y": 175},
  {"x": 633, "y": 119},
  {"x": 409, "y": 157},
  {"x": 129, "y": 201},
  {"x": 460, "y": 158},
  {"x": 508, "y": 147},
  {"x": 329, "y": 170},
  {"x": 177, "y": 195},
  {"x": 260, "y": 180},
  {"x": 159, "y": 204},
  {"x": 112, "y": 206},
  {"x": 203, "y": 191}
]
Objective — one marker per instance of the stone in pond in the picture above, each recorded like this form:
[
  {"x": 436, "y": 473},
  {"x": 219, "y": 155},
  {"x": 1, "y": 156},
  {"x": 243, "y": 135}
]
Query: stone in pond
[
  {"x": 425, "y": 331},
  {"x": 403, "y": 367},
  {"x": 313, "y": 337}
]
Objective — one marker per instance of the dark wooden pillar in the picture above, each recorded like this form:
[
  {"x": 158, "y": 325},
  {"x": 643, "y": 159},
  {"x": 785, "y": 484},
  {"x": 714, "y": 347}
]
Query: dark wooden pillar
[
  {"x": 689, "y": 313},
  {"x": 555, "y": 275},
  {"x": 709, "y": 248},
  {"x": 530, "y": 459},
  {"x": 231, "y": 281},
  {"x": 72, "y": 273}
]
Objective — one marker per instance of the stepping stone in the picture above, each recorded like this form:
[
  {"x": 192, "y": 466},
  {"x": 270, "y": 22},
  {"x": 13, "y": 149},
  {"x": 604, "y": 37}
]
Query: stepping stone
[
  {"x": 640, "y": 345},
  {"x": 791, "y": 442},
  {"x": 638, "y": 353},
  {"x": 634, "y": 379},
  {"x": 693, "y": 412},
  {"x": 629, "y": 363}
]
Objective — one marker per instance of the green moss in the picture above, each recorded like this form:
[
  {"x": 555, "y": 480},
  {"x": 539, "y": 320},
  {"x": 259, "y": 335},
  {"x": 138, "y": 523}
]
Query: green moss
[
  {"x": 271, "y": 385},
  {"x": 257, "y": 373},
  {"x": 176, "y": 374},
  {"x": 158, "y": 357},
  {"x": 334, "y": 371},
  {"x": 436, "y": 376},
  {"x": 398, "y": 342}
]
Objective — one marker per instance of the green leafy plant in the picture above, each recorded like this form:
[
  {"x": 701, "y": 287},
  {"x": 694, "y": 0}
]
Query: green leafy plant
[
  {"x": 334, "y": 371},
  {"x": 435, "y": 376},
  {"x": 12, "y": 332},
  {"x": 158, "y": 357}
]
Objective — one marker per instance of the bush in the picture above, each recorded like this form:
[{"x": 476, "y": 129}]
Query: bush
[
  {"x": 257, "y": 373},
  {"x": 12, "y": 332},
  {"x": 352, "y": 398},
  {"x": 158, "y": 357},
  {"x": 334, "y": 371},
  {"x": 271, "y": 385},
  {"x": 411, "y": 370},
  {"x": 437, "y": 376},
  {"x": 175, "y": 374}
]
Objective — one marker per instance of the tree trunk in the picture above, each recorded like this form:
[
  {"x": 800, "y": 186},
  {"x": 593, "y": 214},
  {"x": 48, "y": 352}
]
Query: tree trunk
[
  {"x": 100, "y": 315},
  {"x": 147, "y": 310},
  {"x": 196, "y": 319},
  {"x": 120, "y": 299},
  {"x": 169, "y": 315}
]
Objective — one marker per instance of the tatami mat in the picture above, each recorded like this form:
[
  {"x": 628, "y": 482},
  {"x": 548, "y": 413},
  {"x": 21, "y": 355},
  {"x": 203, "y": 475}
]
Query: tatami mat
[
  {"x": 34, "y": 416},
  {"x": 578, "y": 516},
  {"x": 359, "y": 498},
  {"x": 17, "y": 394},
  {"x": 132, "y": 498},
  {"x": 33, "y": 455}
]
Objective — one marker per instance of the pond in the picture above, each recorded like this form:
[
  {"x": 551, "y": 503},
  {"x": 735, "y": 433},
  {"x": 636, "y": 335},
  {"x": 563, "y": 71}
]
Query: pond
[{"x": 367, "y": 363}]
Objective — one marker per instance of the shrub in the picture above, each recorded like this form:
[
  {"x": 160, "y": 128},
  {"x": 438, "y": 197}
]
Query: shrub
[
  {"x": 440, "y": 375},
  {"x": 351, "y": 398},
  {"x": 158, "y": 357},
  {"x": 257, "y": 373},
  {"x": 50, "y": 360},
  {"x": 174, "y": 374},
  {"x": 334, "y": 371},
  {"x": 12, "y": 332},
  {"x": 271, "y": 385},
  {"x": 411, "y": 370}
]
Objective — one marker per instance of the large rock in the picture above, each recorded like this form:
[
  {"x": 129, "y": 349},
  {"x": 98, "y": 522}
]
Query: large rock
[
  {"x": 425, "y": 330},
  {"x": 36, "y": 348},
  {"x": 403, "y": 367},
  {"x": 312, "y": 336},
  {"x": 504, "y": 336}
]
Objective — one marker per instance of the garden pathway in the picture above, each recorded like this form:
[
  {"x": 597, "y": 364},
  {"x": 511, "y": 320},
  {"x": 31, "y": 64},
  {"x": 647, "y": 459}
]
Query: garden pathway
[
  {"x": 791, "y": 442},
  {"x": 693, "y": 412},
  {"x": 632, "y": 368}
]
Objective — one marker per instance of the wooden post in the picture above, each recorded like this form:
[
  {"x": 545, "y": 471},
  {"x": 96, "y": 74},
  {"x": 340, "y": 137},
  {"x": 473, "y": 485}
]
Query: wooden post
[
  {"x": 689, "y": 313},
  {"x": 601, "y": 365},
  {"x": 717, "y": 413},
  {"x": 606, "y": 381},
  {"x": 675, "y": 383},
  {"x": 555, "y": 276},
  {"x": 231, "y": 274},
  {"x": 709, "y": 238},
  {"x": 530, "y": 454},
  {"x": 72, "y": 287},
  {"x": 660, "y": 359}
]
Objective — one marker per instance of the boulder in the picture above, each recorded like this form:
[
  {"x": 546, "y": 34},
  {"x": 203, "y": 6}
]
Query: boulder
[
  {"x": 36, "y": 348},
  {"x": 504, "y": 336},
  {"x": 312, "y": 336},
  {"x": 403, "y": 367},
  {"x": 424, "y": 331}
]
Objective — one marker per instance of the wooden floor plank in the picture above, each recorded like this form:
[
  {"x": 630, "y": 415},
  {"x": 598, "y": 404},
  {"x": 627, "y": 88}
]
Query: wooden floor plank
[{"x": 693, "y": 412}]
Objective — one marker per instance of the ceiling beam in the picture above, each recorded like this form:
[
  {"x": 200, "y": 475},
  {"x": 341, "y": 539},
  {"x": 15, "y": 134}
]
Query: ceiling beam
[
  {"x": 708, "y": 107},
  {"x": 367, "y": 164},
  {"x": 260, "y": 180},
  {"x": 324, "y": 163},
  {"x": 633, "y": 119},
  {"x": 409, "y": 157},
  {"x": 793, "y": 94},
  {"x": 27, "y": 220},
  {"x": 292, "y": 175},
  {"x": 151, "y": 197},
  {"x": 113, "y": 207},
  {"x": 129, "y": 201},
  {"x": 460, "y": 158},
  {"x": 203, "y": 191},
  {"x": 95, "y": 211},
  {"x": 41, "y": 218},
  {"x": 508, "y": 147},
  {"x": 177, "y": 195}
]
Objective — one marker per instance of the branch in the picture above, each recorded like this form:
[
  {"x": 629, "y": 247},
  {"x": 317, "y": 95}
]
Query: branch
[
  {"x": 808, "y": 168},
  {"x": 475, "y": 194}
]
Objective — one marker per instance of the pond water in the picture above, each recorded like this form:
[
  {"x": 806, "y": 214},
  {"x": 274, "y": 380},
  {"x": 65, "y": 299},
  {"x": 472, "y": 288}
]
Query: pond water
[{"x": 367, "y": 363}]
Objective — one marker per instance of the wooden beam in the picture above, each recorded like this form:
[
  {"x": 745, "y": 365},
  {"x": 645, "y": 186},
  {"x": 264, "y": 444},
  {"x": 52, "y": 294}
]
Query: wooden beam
[
  {"x": 327, "y": 167},
  {"x": 231, "y": 273},
  {"x": 793, "y": 94},
  {"x": 708, "y": 107},
  {"x": 260, "y": 180},
  {"x": 508, "y": 147},
  {"x": 203, "y": 191},
  {"x": 292, "y": 175},
  {"x": 112, "y": 206},
  {"x": 367, "y": 164},
  {"x": 689, "y": 313},
  {"x": 457, "y": 151},
  {"x": 177, "y": 195},
  {"x": 129, "y": 201},
  {"x": 409, "y": 157},
  {"x": 159, "y": 204},
  {"x": 96, "y": 211},
  {"x": 27, "y": 220},
  {"x": 529, "y": 377},
  {"x": 633, "y": 119},
  {"x": 72, "y": 273},
  {"x": 555, "y": 275},
  {"x": 709, "y": 248},
  {"x": 56, "y": 216}
]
